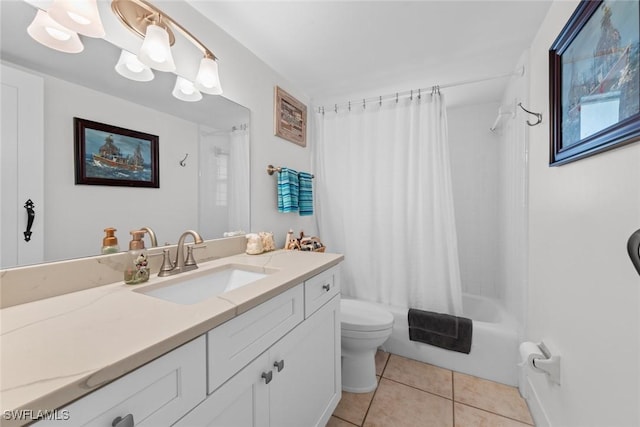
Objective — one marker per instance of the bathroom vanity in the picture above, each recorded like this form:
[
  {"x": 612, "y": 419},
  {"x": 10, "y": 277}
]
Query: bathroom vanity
[{"x": 266, "y": 353}]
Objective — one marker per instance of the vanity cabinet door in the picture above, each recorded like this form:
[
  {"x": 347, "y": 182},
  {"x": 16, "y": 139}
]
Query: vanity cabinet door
[
  {"x": 156, "y": 394},
  {"x": 307, "y": 388},
  {"x": 243, "y": 401}
]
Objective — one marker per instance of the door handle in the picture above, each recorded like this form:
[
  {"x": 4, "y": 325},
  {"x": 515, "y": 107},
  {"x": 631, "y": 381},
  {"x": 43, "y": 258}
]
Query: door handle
[
  {"x": 31, "y": 215},
  {"x": 633, "y": 248}
]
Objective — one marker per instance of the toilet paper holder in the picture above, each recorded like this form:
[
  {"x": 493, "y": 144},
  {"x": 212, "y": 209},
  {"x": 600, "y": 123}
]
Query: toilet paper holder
[{"x": 550, "y": 365}]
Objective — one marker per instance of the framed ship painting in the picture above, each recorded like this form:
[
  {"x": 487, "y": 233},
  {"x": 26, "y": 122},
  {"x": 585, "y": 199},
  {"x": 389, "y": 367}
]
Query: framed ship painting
[
  {"x": 111, "y": 155},
  {"x": 594, "y": 81}
]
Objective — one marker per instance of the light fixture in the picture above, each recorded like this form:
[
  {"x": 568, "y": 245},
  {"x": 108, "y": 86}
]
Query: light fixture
[
  {"x": 157, "y": 31},
  {"x": 79, "y": 16},
  {"x": 59, "y": 26},
  {"x": 185, "y": 90},
  {"x": 208, "y": 80},
  {"x": 130, "y": 67},
  {"x": 48, "y": 32},
  {"x": 156, "y": 51}
]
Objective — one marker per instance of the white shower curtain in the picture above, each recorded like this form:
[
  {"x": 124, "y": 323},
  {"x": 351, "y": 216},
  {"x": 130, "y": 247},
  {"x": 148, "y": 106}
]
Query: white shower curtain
[
  {"x": 239, "y": 199},
  {"x": 384, "y": 200}
]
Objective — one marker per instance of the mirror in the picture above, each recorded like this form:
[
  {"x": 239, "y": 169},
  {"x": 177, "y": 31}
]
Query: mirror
[{"x": 203, "y": 147}]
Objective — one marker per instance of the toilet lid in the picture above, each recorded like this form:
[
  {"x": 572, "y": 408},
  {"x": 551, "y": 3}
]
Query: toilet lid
[{"x": 364, "y": 316}]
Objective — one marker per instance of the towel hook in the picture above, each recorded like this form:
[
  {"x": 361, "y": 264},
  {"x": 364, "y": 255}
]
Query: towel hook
[
  {"x": 182, "y": 162},
  {"x": 538, "y": 115}
]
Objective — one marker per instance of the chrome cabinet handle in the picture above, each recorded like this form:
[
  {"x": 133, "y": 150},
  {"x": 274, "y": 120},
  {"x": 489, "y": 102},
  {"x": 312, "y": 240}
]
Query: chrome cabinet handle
[
  {"x": 279, "y": 365},
  {"x": 326, "y": 287},
  {"x": 127, "y": 421},
  {"x": 268, "y": 376}
]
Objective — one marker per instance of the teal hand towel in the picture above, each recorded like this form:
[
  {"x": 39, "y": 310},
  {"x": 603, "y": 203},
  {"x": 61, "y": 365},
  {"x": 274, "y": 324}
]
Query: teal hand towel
[
  {"x": 287, "y": 190},
  {"x": 305, "y": 198}
]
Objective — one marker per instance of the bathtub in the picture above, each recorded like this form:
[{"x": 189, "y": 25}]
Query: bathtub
[{"x": 494, "y": 347}]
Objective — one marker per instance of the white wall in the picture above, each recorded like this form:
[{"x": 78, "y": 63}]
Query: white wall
[
  {"x": 79, "y": 213},
  {"x": 474, "y": 173},
  {"x": 512, "y": 131},
  {"x": 584, "y": 294},
  {"x": 250, "y": 82}
]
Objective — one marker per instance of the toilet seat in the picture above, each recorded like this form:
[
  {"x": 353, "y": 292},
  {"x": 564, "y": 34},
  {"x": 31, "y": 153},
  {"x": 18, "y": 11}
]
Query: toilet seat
[{"x": 362, "y": 316}]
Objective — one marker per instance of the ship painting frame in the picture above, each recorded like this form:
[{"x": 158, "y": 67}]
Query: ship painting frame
[
  {"x": 114, "y": 156},
  {"x": 594, "y": 82}
]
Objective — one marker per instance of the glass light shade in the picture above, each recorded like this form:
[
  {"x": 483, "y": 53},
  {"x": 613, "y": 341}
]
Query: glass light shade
[
  {"x": 184, "y": 90},
  {"x": 130, "y": 67},
  {"x": 208, "y": 79},
  {"x": 49, "y": 33},
  {"x": 80, "y": 16},
  {"x": 155, "y": 51}
]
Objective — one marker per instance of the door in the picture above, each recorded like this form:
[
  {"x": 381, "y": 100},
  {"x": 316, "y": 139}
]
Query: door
[
  {"x": 306, "y": 384},
  {"x": 22, "y": 161},
  {"x": 243, "y": 401}
]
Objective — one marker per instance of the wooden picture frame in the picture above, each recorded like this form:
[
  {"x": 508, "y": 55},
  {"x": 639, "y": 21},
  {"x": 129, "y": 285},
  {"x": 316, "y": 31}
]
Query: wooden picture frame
[
  {"x": 290, "y": 118},
  {"x": 594, "y": 82},
  {"x": 111, "y": 155}
]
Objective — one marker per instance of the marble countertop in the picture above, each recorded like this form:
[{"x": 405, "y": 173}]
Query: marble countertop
[{"x": 58, "y": 349}]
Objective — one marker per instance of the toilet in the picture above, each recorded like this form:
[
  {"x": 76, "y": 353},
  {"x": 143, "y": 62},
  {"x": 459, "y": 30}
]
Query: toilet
[{"x": 364, "y": 327}]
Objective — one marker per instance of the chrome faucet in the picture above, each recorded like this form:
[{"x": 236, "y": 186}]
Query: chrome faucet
[
  {"x": 152, "y": 236},
  {"x": 181, "y": 265}
]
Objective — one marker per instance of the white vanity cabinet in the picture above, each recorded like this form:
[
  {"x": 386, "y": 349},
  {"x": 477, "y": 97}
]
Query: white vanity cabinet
[
  {"x": 294, "y": 382},
  {"x": 156, "y": 394},
  {"x": 277, "y": 365}
]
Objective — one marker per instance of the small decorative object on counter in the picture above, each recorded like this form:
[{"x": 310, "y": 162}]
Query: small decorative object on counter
[
  {"x": 304, "y": 243},
  {"x": 268, "y": 243},
  {"x": 288, "y": 239},
  {"x": 137, "y": 268},
  {"x": 254, "y": 244},
  {"x": 110, "y": 241}
]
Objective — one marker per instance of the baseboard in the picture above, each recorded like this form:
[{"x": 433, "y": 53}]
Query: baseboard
[{"x": 538, "y": 413}]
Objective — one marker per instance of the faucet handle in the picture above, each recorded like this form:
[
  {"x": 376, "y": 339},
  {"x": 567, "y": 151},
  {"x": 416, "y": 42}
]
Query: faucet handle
[
  {"x": 167, "y": 265},
  {"x": 190, "y": 261},
  {"x": 190, "y": 258}
]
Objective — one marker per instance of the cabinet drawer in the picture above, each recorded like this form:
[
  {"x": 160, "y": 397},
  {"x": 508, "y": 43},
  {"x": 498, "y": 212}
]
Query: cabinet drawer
[
  {"x": 158, "y": 393},
  {"x": 320, "y": 289},
  {"x": 232, "y": 345}
]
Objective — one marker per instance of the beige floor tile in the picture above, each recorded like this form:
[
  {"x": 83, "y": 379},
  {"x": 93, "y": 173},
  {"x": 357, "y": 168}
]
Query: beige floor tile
[
  {"x": 490, "y": 396},
  {"x": 337, "y": 422},
  {"x": 420, "y": 375},
  {"x": 353, "y": 406},
  {"x": 467, "y": 416},
  {"x": 399, "y": 405},
  {"x": 381, "y": 361}
]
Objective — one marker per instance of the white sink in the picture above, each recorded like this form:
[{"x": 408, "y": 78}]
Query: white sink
[{"x": 204, "y": 285}]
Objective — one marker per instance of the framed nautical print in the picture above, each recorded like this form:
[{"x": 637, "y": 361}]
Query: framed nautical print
[
  {"x": 111, "y": 155},
  {"x": 594, "y": 81}
]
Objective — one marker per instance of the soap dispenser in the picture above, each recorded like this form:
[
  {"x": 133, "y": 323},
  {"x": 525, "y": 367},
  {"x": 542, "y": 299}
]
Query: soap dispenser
[
  {"x": 110, "y": 241},
  {"x": 136, "y": 269}
]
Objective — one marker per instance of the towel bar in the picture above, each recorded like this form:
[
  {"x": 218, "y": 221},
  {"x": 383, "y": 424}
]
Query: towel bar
[{"x": 271, "y": 169}]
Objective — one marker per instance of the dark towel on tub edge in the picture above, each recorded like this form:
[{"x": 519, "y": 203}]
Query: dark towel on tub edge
[{"x": 441, "y": 330}]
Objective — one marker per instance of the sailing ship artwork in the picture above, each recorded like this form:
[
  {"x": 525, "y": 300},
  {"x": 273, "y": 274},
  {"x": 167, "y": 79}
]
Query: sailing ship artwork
[
  {"x": 601, "y": 80},
  {"x": 115, "y": 156}
]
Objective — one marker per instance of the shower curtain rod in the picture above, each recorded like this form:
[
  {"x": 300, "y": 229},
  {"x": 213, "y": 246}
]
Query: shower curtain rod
[{"x": 418, "y": 92}]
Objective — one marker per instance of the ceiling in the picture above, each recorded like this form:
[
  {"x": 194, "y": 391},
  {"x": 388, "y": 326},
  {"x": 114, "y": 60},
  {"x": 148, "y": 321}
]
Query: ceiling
[{"x": 334, "y": 49}]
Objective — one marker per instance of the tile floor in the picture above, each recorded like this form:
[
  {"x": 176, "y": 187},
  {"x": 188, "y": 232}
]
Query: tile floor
[{"x": 412, "y": 393}]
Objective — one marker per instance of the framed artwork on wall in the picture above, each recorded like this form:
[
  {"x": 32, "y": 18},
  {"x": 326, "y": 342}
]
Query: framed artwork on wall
[
  {"x": 111, "y": 155},
  {"x": 290, "y": 118},
  {"x": 594, "y": 81}
]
